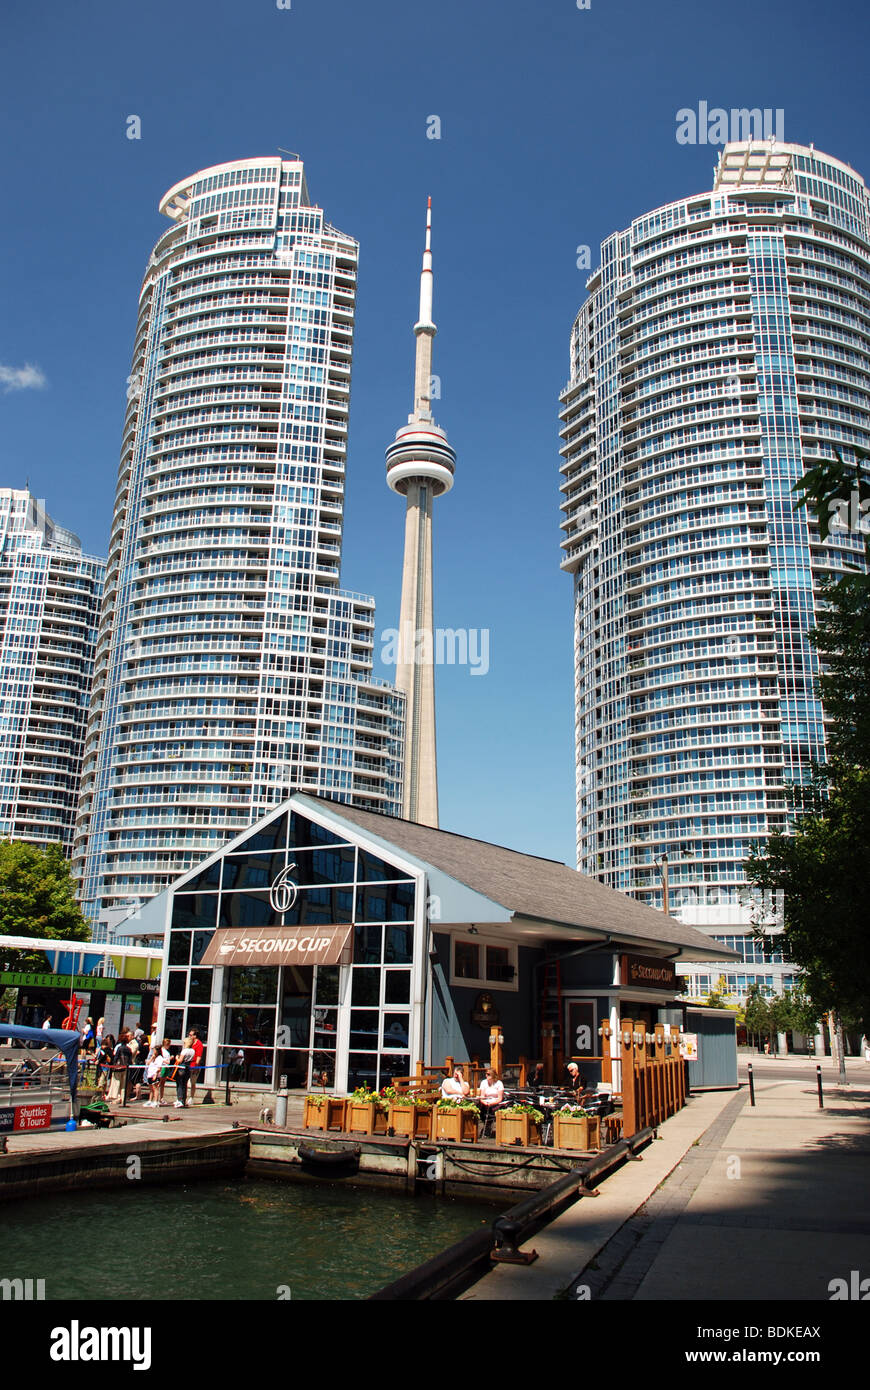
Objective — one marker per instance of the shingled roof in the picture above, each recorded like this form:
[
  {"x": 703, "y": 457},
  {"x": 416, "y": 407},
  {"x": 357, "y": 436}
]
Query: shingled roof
[{"x": 541, "y": 890}]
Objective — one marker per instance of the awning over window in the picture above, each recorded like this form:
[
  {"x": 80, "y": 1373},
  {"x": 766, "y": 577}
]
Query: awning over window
[{"x": 309, "y": 945}]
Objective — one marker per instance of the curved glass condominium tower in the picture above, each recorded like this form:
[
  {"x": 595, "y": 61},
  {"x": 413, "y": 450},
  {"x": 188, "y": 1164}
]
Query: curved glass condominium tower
[
  {"x": 49, "y": 604},
  {"x": 230, "y": 667},
  {"x": 724, "y": 346}
]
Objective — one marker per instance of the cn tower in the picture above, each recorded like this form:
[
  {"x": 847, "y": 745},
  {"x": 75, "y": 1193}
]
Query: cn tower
[{"x": 420, "y": 466}]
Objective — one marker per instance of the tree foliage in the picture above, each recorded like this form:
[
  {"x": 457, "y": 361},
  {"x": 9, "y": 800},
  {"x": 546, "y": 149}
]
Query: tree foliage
[
  {"x": 790, "y": 1012},
  {"x": 822, "y": 866},
  {"x": 37, "y": 898},
  {"x": 821, "y": 870}
]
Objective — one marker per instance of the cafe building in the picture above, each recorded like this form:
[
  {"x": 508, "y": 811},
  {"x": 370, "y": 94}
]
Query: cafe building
[{"x": 337, "y": 947}]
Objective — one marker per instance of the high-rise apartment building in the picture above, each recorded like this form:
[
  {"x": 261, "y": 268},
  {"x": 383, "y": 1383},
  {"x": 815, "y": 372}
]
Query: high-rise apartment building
[
  {"x": 724, "y": 346},
  {"x": 49, "y": 604},
  {"x": 231, "y": 667}
]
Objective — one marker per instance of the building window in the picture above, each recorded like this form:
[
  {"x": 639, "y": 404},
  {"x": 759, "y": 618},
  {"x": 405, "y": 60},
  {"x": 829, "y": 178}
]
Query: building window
[{"x": 476, "y": 962}]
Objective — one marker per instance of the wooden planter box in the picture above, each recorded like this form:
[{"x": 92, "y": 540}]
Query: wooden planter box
[
  {"x": 510, "y": 1128},
  {"x": 328, "y": 1114},
  {"x": 410, "y": 1120},
  {"x": 363, "y": 1117},
  {"x": 457, "y": 1126},
  {"x": 576, "y": 1132}
]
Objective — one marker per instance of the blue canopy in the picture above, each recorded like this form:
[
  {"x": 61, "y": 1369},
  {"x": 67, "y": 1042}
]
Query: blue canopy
[{"x": 66, "y": 1040}]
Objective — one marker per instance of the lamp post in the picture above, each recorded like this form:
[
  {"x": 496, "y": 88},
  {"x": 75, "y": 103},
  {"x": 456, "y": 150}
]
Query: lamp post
[{"x": 663, "y": 871}]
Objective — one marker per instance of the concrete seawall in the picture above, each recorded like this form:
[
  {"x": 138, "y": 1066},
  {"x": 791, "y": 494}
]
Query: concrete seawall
[
  {"x": 481, "y": 1171},
  {"x": 59, "y": 1162}
]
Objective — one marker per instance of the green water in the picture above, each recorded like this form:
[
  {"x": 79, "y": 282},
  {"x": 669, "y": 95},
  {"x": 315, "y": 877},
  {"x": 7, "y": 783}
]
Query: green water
[{"x": 239, "y": 1239}]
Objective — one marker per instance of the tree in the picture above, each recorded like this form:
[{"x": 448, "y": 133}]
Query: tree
[
  {"x": 820, "y": 869},
  {"x": 37, "y": 898},
  {"x": 799, "y": 1011},
  {"x": 757, "y": 1013}
]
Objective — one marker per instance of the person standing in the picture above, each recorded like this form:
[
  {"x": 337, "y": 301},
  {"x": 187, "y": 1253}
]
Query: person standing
[
  {"x": 198, "y": 1050},
  {"x": 181, "y": 1074},
  {"x": 166, "y": 1056},
  {"x": 105, "y": 1053},
  {"x": 121, "y": 1060},
  {"x": 157, "y": 1060}
]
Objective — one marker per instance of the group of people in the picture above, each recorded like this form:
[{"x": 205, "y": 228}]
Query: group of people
[
  {"x": 490, "y": 1092},
  {"x": 135, "y": 1062}
]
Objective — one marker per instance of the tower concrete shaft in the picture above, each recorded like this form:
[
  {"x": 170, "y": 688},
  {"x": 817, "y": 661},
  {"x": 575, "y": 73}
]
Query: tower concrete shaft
[
  {"x": 415, "y": 673},
  {"x": 420, "y": 467}
]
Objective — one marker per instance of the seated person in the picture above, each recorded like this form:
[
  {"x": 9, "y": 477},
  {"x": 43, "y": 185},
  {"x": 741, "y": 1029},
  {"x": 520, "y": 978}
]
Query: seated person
[
  {"x": 490, "y": 1093},
  {"x": 455, "y": 1087},
  {"x": 573, "y": 1080},
  {"x": 536, "y": 1077}
]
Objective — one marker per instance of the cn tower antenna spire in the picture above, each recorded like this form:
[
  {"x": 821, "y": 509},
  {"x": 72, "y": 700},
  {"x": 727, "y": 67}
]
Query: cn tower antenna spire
[
  {"x": 425, "y": 331},
  {"x": 420, "y": 465}
]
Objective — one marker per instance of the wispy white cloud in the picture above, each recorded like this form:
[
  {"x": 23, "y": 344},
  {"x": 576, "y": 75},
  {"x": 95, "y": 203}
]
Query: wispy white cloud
[{"x": 21, "y": 378}]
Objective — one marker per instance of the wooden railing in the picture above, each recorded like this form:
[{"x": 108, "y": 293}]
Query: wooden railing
[
  {"x": 427, "y": 1079},
  {"x": 653, "y": 1074}
]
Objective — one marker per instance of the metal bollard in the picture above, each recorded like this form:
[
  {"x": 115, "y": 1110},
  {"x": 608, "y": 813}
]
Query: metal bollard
[
  {"x": 281, "y": 1110},
  {"x": 751, "y": 1085},
  {"x": 819, "y": 1084}
]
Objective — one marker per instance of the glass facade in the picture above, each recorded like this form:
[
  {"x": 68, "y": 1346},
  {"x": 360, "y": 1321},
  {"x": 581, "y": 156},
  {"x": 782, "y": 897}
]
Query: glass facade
[
  {"x": 329, "y": 1025},
  {"x": 231, "y": 668},
  {"x": 722, "y": 349},
  {"x": 49, "y": 604}
]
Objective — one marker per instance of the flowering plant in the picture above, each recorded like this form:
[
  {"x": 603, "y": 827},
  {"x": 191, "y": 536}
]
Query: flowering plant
[
  {"x": 362, "y": 1095},
  {"x": 522, "y": 1107},
  {"x": 445, "y": 1103}
]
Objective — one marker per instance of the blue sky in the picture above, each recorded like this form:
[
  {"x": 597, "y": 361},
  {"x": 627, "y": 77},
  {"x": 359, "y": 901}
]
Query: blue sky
[{"x": 557, "y": 127}]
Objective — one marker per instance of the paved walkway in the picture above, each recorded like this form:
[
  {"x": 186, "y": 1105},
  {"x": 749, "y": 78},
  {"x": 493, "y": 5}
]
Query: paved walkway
[{"x": 730, "y": 1202}]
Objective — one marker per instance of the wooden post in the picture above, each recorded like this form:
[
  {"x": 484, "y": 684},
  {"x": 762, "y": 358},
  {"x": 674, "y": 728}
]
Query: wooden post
[
  {"x": 626, "y": 1053},
  {"x": 496, "y": 1041},
  {"x": 643, "y": 1077},
  {"x": 606, "y": 1060},
  {"x": 449, "y": 1065},
  {"x": 661, "y": 1093},
  {"x": 670, "y": 1100},
  {"x": 524, "y": 1067},
  {"x": 679, "y": 1068},
  {"x": 547, "y": 1059}
]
